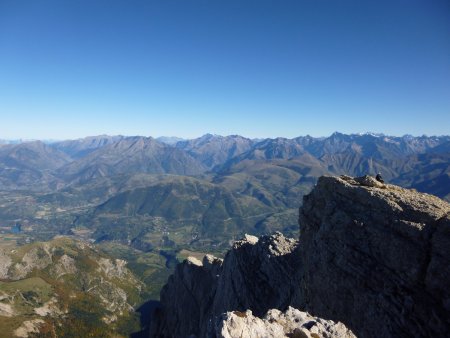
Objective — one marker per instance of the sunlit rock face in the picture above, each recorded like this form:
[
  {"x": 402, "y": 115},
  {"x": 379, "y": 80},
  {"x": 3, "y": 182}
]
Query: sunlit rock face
[
  {"x": 291, "y": 323},
  {"x": 375, "y": 253}
]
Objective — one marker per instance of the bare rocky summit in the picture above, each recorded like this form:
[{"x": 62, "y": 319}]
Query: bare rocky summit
[
  {"x": 291, "y": 323},
  {"x": 372, "y": 256},
  {"x": 376, "y": 253}
]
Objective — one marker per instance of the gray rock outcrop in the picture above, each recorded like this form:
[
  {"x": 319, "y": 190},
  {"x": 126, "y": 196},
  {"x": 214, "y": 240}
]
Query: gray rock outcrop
[
  {"x": 187, "y": 298},
  {"x": 257, "y": 274},
  {"x": 291, "y": 323},
  {"x": 376, "y": 257},
  {"x": 373, "y": 256}
]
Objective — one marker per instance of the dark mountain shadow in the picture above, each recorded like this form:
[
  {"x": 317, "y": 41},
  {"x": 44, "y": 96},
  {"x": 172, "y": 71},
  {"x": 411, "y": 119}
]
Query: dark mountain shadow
[{"x": 146, "y": 312}]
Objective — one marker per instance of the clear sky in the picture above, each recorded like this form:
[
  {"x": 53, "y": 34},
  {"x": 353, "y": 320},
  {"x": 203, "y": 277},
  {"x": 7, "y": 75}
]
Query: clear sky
[{"x": 258, "y": 68}]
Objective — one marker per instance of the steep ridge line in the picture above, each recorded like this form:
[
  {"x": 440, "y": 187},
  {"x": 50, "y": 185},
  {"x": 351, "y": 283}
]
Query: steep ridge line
[
  {"x": 365, "y": 251},
  {"x": 372, "y": 256}
]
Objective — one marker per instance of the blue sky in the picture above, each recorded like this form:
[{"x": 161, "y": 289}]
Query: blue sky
[{"x": 257, "y": 68}]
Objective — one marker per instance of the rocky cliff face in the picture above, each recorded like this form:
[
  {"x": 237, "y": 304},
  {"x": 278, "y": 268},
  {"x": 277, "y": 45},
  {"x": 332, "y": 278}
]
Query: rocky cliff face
[
  {"x": 373, "y": 256},
  {"x": 374, "y": 253},
  {"x": 257, "y": 274}
]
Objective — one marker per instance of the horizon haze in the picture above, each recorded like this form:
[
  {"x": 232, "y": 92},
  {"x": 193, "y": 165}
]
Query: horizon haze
[{"x": 172, "y": 139}]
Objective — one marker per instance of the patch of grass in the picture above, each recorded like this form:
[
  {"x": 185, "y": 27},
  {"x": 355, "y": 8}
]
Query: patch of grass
[
  {"x": 9, "y": 324},
  {"x": 24, "y": 296},
  {"x": 32, "y": 284}
]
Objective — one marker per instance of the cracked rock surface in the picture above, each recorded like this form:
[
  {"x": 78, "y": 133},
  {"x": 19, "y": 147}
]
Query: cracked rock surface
[
  {"x": 376, "y": 254},
  {"x": 291, "y": 323}
]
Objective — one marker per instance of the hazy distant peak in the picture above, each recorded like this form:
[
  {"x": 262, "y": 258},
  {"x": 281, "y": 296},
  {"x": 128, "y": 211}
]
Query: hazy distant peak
[
  {"x": 81, "y": 147},
  {"x": 170, "y": 140},
  {"x": 277, "y": 140},
  {"x": 137, "y": 142},
  {"x": 11, "y": 141},
  {"x": 212, "y": 150},
  {"x": 369, "y": 134},
  {"x": 209, "y": 136},
  {"x": 34, "y": 155}
]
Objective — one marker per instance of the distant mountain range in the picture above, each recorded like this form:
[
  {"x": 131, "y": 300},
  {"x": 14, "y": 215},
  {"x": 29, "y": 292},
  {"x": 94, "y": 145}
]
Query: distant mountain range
[
  {"x": 401, "y": 159},
  {"x": 210, "y": 188}
]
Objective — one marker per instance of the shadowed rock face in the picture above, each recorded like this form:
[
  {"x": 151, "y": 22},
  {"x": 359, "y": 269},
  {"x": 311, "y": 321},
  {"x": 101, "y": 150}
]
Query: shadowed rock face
[
  {"x": 257, "y": 274},
  {"x": 373, "y": 256},
  {"x": 187, "y": 298},
  {"x": 374, "y": 253}
]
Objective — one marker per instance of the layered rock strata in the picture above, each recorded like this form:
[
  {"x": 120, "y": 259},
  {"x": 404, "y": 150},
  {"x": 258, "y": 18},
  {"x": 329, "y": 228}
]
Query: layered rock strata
[{"x": 376, "y": 257}]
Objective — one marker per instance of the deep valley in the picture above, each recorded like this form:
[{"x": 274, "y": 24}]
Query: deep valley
[{"x": 149, "y": 204}]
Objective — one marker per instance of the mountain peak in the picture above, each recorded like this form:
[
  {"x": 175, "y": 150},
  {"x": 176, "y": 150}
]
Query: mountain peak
[
  {"x": 170, "y": 140},
  {"x": 374, "y": 251}
]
